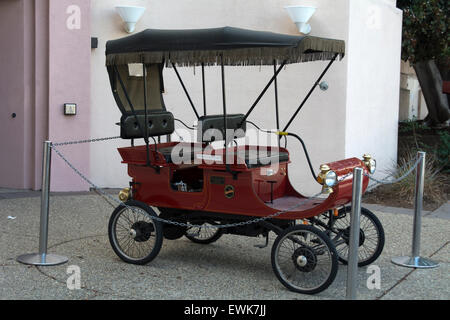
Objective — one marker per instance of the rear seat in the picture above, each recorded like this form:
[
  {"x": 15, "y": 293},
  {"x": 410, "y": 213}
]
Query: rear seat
[
  {"x": 252, "y": 158},
  {"x": 162, "y": 123},
  {"x": 167, "y": 153}
]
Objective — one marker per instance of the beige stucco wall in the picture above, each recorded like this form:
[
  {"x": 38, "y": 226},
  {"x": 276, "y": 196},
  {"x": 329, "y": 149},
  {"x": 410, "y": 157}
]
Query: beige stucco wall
[
  {"x": 323, "y": 120},
  {"x": 374, "y": 51}
]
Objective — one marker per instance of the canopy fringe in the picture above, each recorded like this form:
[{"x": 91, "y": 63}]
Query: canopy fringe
[{"x": 310, "y": 49}]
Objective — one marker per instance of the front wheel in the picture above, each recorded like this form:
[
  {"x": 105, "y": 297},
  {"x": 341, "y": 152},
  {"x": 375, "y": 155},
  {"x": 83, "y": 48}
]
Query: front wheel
[
  {"x": 304, "y": 259},
  {"x": 135, "y": 236},
  {"x": 371, "y": 236}
]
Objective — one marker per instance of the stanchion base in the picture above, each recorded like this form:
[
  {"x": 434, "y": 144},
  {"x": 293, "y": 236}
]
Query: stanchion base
[
  {"x": 415, "y": 262},
  {"x": 42, "y": 259}
]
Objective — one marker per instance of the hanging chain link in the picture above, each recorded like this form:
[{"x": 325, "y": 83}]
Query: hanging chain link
[
  {"x": 177, "y": 223},
  {"x": 385, "y": 180},
  {"x": 84, "y": 141},
  {"x": 230, "y": 225}
]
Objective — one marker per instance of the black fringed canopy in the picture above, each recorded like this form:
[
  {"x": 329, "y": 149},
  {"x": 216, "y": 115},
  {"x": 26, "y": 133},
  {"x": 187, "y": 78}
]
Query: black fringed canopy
[{"x": 237, "y": 47}]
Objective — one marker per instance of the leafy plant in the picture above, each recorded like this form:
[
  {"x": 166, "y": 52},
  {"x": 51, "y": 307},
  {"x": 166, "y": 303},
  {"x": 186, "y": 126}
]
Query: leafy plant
[
  {"x": 412, "y": 125},
  {"x": 425, "y": 44},
  {"x": 443, "y": 151},
  {"x": 425, "y": 29},
  {"x": 440, "y": 148}
]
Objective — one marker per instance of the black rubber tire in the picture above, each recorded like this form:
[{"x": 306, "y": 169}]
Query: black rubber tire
[
  {"x": 171, "y": 231},
  {"x": 325, "y": 239},
  {"x": 157, "y": 230},
  {"x": 216, "y": 236},
  {"x": 381, "y": 239}
]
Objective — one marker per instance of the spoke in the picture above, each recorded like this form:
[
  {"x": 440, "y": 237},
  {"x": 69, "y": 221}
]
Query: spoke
[
  {"x": 295, "y": 275},
  {"x": 135, "y": 248}
]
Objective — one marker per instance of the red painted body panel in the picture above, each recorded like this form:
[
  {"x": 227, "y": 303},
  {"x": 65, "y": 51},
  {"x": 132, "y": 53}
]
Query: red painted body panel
[
  {"x": 446, "y": 87},
  {"x": 252, "y": 188}
]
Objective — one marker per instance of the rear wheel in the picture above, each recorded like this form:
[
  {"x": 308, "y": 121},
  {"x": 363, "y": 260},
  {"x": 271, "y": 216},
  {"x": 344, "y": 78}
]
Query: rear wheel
[
  {"x": 135, "y": 236},
  {"x": 304, "y": 259},
  {"x": 171, "y": 231},
  {"x": 203, "y": 232}
]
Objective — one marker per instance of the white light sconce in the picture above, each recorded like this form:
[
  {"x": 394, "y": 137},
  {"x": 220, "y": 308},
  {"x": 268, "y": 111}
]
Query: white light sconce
[
  {"x": 130, "y": 15},
  {"x": 70, "y": 109},
  {"x": 300, "y": 15}
]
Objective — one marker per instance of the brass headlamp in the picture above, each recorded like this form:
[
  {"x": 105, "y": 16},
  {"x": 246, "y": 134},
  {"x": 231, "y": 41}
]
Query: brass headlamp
[
  {"x": 125, "y": 194},
  {"x": 327, "y": 178},
  {"x": 370, "y": 163}
]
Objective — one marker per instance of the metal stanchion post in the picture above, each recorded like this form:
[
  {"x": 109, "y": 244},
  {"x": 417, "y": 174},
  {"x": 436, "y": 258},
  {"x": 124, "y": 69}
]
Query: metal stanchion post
[
  {"x": 43, "y": 258},
  {"x": 415, "y": 261},
  {"x": 352, "y": 271}
]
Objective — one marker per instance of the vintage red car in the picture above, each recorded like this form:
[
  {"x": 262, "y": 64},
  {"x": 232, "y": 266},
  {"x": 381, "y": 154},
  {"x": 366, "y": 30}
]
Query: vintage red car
[{"x": 199, "y": 191}]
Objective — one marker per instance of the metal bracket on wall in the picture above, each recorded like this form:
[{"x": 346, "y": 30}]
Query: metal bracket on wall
[{"x": 94, "y": 42}]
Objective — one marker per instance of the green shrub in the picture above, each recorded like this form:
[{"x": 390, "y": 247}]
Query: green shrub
[
  {"x": 443, "y": 151},
  {"x": 435, "y": 184}
]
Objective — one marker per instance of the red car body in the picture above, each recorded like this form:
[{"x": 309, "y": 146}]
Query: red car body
[{"x": 259, "y": 192}]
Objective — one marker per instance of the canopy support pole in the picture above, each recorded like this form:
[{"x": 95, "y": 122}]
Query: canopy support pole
[
  {"x": 310, "y": 92},
  {"x": 185, "y": 91},
  {"x": 264, "y": 91},
  {"x": 224, "y": 105},
  {"x": 143, "y": 132},
  {"x": 276, "y": 99},
  {"x": 129, "y": 102},
  {"x": 204, "y": 89},
  {"x": 144, "y": 74},
  {"x": 225, "y": 123}
]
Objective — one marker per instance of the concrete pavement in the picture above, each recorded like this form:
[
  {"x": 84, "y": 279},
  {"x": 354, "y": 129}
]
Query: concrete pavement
[{"x": 231, "y": 268}]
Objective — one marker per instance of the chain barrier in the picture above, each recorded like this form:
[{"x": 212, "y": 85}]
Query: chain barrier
[
  {"x": 385, "y": 180},
  {"x": 84, "y": 141},
  {"x": 230, "y": 225},
  {"x": 177, "y": 223}
]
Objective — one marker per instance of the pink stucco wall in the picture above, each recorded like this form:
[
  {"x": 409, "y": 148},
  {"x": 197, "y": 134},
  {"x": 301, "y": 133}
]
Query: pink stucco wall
[
  {"x": 69, "y": 82},
  {"x": 44, "y": 65},
  {"x": 12, "y": 136}
]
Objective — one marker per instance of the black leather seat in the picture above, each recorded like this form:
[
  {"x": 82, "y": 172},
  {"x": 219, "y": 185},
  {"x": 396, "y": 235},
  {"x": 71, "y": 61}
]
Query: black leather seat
[
  {"x": 252, "y": 158},
  {"x": 167, "y": 153},
  {"x": 159, "y": 123},
  {"x": 263, "y": 158}
]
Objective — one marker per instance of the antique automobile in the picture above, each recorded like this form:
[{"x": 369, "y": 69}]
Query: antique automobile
[{"x": 215, "y": 185}]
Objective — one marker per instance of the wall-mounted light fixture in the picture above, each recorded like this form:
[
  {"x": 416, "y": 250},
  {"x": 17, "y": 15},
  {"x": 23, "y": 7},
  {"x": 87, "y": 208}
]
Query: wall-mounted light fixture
[
  {"x": 130, "y": 15},
  {"x": 70, "y": 109},
  {"x": 300, "y": 15},
  {"x": 94, "y": 42}
]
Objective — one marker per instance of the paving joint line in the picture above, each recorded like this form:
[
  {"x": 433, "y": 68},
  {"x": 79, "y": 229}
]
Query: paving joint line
[
  {"x": 85, "y": 288},
  {"x": 408, "y": 274},
  {"x": 77, "y": 239},
  {"x": 96, "y": 292}
]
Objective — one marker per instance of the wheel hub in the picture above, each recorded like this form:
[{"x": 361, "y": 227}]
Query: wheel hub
[
  {"x": 304, "y": 259},
  {"x": 346, "y": 236},
  {"x": 141, "y": 231}
]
